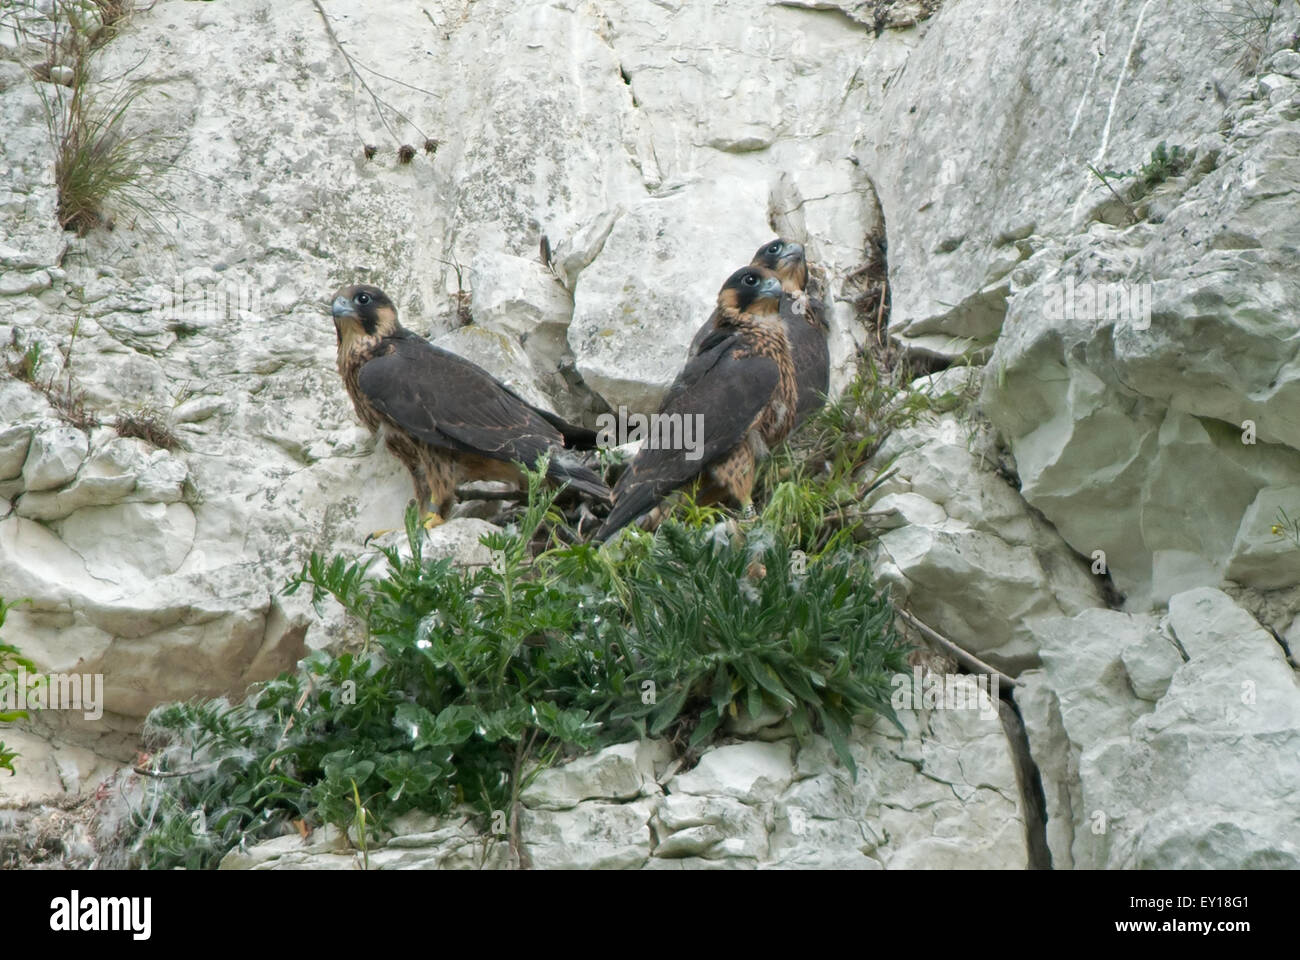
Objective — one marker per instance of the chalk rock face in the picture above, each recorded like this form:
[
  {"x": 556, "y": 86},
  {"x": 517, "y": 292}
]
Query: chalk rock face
[
  {"x": 594, "y": 128},
  {"x": 959, "y": 546},
  {"x": 54, "y": 457},
  {"x": 1196, "y": 775},
  {"x": 1133, "y": 337},
  {"x": 1142, "y": 370},
  {"x": 638, "y": 305}
]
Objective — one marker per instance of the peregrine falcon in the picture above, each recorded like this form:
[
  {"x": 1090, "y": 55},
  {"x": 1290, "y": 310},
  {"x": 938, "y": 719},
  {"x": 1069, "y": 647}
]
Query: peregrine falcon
[
  {"x": 446, "y": 419},
  {"x": 742, "y": 382},
  {"x": 805, "y": 324}
]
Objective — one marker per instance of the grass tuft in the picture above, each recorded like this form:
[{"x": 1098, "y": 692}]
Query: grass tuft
[{"x": 149, "y": 424}]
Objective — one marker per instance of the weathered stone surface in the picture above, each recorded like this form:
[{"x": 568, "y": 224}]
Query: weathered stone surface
[
  {"x": 593, "y": 836},
  {"x": 54, "y": 457},
  {"x": 14, "y": 444},
  {"x": 751, "y": 772},
  {"x": 616, "y": 773},
  {"x": 121, "y": 471},
  {"x": 48, "y": 770},
  {"x": 961, "y": 549},
  {"x": 1121, "y": 435},
  {"x": 1203, "y": 778},
  {"x": 637, "y": 306}
]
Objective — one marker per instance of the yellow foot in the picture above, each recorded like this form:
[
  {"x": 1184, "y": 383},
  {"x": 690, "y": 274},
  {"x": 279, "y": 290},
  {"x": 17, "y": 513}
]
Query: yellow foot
[
  {"x": 429, "y": 521},
  {"x": 747, "y": 513},
  {"x": 375, "y": 536}
]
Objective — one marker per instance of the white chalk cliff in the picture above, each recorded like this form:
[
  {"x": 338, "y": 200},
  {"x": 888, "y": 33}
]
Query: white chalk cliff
[{"x": 655, "y": 144}]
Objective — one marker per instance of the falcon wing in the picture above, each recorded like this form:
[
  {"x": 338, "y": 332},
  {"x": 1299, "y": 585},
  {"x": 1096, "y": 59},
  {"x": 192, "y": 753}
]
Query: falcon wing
[
  {"x": 811, "y": 355},
  {"x": 697, "y": 341},
  {"x": 729, "y": 391},
  {"x": 448, "y": 402}
]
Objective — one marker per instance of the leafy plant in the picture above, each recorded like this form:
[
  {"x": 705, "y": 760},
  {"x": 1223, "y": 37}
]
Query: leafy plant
[
  {"x": 472, "y": 681},
  {"x": 96, "y": 158},
  {"x": 1163, "y": 163},
  {"x": 714, "y": 625},
  {"x": 813, "y": 485},
  {"x": 11, "y": 660}
]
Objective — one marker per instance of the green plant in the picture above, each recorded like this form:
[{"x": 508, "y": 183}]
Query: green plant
[
  {"x": 11, "y": 660},
  {"x": 813, "y": 484},
  {"x": 714, "y": 624},
  {"x": 359, "y": 825},
  {"x": 1285, "y": 528},
  {"x": 472, "y": 681},
  {"x": 1163, "y": 163},
  {"x": 27, "y": 365},
  {"x": 98, "y": 158}
]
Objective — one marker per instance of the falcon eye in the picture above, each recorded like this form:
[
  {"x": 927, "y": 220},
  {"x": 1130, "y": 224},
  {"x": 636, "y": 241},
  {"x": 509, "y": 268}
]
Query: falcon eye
[
  {"x": 750, "y": 280},
  {"x": 774, "y": 248},
  {"x": 363, "y": 298}
]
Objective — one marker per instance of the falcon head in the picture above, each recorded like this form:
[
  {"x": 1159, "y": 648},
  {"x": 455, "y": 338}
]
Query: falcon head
[
  {"x": 786, "y": 258},
  {"x": 363, "y": 310},
  {"x": 752, "y": 290}
]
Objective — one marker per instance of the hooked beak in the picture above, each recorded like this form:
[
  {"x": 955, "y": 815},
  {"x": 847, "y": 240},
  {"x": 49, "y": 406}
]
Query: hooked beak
[
  {"x": 342, "y": 307},
  {"x": 791, "y": 251},
  {"x": 770, "y": 287}
]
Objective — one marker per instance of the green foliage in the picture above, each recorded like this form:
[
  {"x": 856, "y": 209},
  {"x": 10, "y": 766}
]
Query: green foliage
[
  {"x": 26, "y": 366},
  {"x": 1286, "y": 528},
  {"x": 1163, "y": 164},
  {"x": 98, "y": 157},
  {"x": 813, "y": 484},
  {"x": 474, "y": 680},
  {"x": 11, "y": 659},
  {"x": 715, "y": 624},
  {"x": 1165, "y": 161}
]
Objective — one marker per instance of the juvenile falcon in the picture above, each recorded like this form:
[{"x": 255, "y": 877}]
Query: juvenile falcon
[
  {"x": 447, "y": 419},
  {"x": 741, "y": 381},
  {"x": 805, "y": 324}
]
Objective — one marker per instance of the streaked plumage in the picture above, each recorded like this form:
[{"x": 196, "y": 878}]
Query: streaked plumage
[
  {"x": 447, "y": 419},
  {"x": 805, "y": 324},
  {"x": 741, "y": 380}
]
